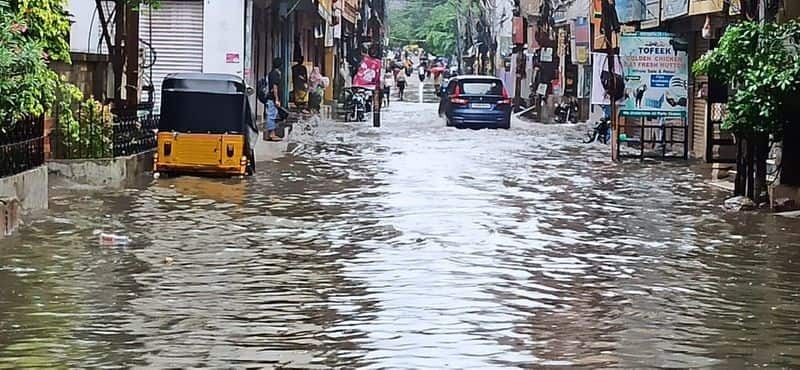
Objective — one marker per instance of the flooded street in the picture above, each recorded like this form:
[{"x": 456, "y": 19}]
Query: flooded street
[{"x": 410, "y": 246}]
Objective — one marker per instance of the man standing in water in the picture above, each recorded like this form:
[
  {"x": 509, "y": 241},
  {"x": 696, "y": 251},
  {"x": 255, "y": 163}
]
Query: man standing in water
[{"x": 274, "y": 82}]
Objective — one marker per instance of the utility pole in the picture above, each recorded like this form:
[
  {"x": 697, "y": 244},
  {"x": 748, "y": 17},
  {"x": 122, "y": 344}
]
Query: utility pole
[
  {"x": 379, "y": 11},
  {"x": 609, "y": 27},
  {"x": 132, "y": 58}
]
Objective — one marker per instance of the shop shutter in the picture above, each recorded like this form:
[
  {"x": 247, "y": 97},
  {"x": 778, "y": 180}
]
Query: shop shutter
[
  {"x": 698, "y": 111},
  {"x": 177, "y": 38}
]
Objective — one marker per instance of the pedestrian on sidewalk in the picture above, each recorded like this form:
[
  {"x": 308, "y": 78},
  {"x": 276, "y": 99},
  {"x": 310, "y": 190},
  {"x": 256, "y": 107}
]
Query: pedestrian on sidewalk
[
  {"x": 300, "y": 84},
  {"x": 270, "y": 89},
  {"x": 401, "y": 82},
  {"x": 388, "y": 83}
]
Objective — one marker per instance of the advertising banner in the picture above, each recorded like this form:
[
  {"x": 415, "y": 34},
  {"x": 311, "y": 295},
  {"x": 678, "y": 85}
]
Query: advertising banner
[
  {"x": 656, "y": 75},
  {"x": 652, "y": 14},
  {"x": 674, "y": 8},
  {"x": 600, "y": 64},
  {"x": 630, "y": 10},
  {"x": 369, "y": 73},
  {"x": 580, "y": 32},
  {"x": 705, "y": 6}
]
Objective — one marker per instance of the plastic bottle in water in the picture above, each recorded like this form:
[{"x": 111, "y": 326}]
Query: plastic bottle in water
[{"x": 112, "y": 239}]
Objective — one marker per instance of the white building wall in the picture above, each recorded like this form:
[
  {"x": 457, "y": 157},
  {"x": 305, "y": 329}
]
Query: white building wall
[
  {"x": 85, "y": 32},
  {"x": 224, "y": 37}
]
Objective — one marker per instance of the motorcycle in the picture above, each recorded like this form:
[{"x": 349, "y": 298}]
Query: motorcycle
[
  {"x": 566, "y": 112},
  {"x": 358, "y": 102},
  {"x": 601, "y": 131}
]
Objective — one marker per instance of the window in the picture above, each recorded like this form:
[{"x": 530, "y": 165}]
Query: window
[{"x": 482, "y": 88}]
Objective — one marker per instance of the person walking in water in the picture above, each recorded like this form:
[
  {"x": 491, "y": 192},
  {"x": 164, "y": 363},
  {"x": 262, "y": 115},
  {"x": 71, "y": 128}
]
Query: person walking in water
[
  {"x": 388, "y": 84},
  {"x": 316, "y": 89},
  {"x": 401, "y": 82}
]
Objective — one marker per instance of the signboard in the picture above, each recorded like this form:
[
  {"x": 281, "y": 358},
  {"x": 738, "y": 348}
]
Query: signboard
[
  {"x": 705, "y": 6},
  {"x": 600, "y": 64},
  {"x": 232, "y": 58},
  {"x": 652, "y": 14},
  {"x": 546, "y": 55},
  {"x": 674, "y": 8},
  {"x": 736, "y": 7},
  {"x": 369, "y": 73},
  {"x": 630, "y": 10},
  {"x": 582, "y": 39},
  {"x": 518, "y": 31},
  {"x": 599, "y": 42},
  {"x": 656, "y": 75}
]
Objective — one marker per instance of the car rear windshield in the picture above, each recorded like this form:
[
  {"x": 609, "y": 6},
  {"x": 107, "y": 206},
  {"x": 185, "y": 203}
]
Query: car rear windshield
[{"x": 481, "y": 87}]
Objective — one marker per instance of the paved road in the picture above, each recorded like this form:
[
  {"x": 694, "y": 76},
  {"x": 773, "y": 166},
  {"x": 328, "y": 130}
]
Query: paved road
[{"x": 410, "y": 246}]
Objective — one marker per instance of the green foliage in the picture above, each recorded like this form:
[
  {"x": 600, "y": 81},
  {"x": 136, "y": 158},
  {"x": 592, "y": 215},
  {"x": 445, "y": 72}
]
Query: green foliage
[
  {"x": 83, "y": 127},
  {"x": 27, "y": 85},
  {"x": 764, "y": 71},
  {"x": 47, "y": 23},
  {"x": 430, "y": 22}
]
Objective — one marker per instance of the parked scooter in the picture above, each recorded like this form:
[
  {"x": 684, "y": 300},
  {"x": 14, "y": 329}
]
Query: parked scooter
[
  {"x": 566, "y": 112},
  {"x": 357, "y": 103}
]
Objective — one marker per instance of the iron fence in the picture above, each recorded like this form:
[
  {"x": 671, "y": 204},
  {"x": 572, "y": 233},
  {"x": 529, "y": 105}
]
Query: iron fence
[
  {"x": 93, "y": 132},
  {"x": 134, "y": 134},
  {"x": 21, "y": 146}
]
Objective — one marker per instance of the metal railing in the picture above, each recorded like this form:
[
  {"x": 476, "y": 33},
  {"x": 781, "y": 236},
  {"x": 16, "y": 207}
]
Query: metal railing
[
  {"x": 93, "y": 132},
  {"x": 134, "y": 135},
  {"x": 21, "y": 146}
]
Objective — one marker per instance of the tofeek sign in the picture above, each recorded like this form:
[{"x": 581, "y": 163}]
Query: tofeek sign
[
  {"x": 655, "y": 50},
  {"x": 656, "y": 74}
]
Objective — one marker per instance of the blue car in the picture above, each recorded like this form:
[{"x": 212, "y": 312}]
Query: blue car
[{"x": 476, "y": 102}]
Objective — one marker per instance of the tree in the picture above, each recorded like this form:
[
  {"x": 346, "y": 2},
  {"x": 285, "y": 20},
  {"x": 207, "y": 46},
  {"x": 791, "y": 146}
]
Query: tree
[
  {"x": 47, "y": 22},
  {"x": 759, "y": 62},
  {"x": 414, "y": 23},
  {"x": 27, "y": 85}
]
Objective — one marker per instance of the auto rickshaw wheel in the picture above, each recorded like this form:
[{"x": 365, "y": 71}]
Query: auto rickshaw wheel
[{"x": 251, "y": 164}]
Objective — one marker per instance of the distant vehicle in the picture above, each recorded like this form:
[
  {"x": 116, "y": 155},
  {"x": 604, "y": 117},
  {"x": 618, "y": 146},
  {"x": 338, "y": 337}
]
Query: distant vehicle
[{"x": 476, "y": 102}]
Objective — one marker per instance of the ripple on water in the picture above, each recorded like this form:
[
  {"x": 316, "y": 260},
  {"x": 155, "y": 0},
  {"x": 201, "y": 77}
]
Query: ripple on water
[{"x": 408, "y": 246}]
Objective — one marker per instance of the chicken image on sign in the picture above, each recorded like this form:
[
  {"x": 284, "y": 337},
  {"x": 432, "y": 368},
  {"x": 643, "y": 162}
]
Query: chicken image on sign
[{"x": 656, "y": 71}]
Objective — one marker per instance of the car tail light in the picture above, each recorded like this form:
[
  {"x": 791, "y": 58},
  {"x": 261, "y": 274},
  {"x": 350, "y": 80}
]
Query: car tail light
[
  {"x": 504, "y": 102},
  {"x": 505, "y": 93},
  {"x": 456, "y": 97}
]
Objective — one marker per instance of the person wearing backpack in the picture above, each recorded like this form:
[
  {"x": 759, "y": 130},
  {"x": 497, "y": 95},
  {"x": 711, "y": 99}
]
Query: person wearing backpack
[{"x": 269, "y": 93}]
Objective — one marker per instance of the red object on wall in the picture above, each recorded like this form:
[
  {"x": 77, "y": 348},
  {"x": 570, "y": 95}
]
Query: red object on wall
[{"x": 518, "y": 31}]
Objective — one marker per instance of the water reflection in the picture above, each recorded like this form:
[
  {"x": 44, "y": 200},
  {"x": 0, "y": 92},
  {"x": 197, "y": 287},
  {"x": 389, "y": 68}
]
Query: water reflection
[{"x": 412, "y": 246}]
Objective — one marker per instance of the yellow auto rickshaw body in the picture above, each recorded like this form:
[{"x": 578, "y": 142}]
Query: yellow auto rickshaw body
[
  {"x": 201, "y": 153},
  {"x": 206, "y": 126}
]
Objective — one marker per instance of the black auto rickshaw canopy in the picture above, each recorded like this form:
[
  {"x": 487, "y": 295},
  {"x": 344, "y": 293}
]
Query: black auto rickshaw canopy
[{"x": 206, "y": 103}]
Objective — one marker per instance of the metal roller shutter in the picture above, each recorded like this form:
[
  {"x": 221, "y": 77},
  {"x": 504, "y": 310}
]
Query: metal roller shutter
[
  {"x": 698, "y": 112},
  {"x": 177, "y": 37}
]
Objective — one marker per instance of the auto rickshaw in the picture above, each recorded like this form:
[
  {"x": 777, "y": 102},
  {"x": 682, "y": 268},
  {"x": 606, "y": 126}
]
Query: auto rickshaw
[{"x": 206, "y": 126}]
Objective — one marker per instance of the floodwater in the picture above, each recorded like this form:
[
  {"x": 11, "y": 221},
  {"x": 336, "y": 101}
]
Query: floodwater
[{"x": 410, "y": 246}]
